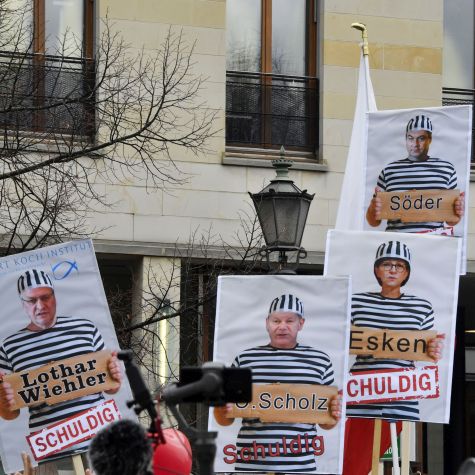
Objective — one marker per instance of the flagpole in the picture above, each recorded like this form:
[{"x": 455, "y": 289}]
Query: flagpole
[{"x": 365, "y": 48}]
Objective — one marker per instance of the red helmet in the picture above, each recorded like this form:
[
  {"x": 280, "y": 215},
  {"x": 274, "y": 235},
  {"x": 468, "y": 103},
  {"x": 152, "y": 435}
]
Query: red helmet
[{"x": 173, "y": 457}]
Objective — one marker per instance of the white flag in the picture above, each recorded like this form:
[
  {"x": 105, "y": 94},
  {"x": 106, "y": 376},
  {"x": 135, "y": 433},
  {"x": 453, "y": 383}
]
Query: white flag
[{"x": 350, "y": 215}]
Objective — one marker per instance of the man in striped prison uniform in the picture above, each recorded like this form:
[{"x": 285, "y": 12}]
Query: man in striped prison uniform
[
  {"x": 418, "y": 171},
  {"x": 265, "y": 446},
  {"x": 392, "y": 310},
  {"x": 45, "y": 339}
]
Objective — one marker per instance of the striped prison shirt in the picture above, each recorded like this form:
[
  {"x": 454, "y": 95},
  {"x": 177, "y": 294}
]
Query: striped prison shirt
[
  {"x": 408, "y": 312},
  {"x": 268, "y": 442},
  {"x": 407, "y": 174},
  {"x": 26, "y": 350}
]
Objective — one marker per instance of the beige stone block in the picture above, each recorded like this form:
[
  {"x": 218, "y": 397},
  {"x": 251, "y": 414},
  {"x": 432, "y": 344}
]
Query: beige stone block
[
  {"x": 203, "y": 204},
  {"x": 213, "y": 94},
  {"x": 184, "y": 230},
  {"x": 326, "y": 185},
  {"x": 335, "y": 156},
  {"x": 332, "y": 212},
  {"x": 423, "y": 60},
  {"x": 214, "y": 177},
  {"x": 421, "y": 9},
  {"x": 339, "y": 79},
  {"x": 355, "y": 7},
  {"x": 318, "y": 212},
  {"x": 211, "y": 68},
  {"x": 336, "y": 131},
  {"x": 384, "y": 30},
  {"x": 338, "y": 106},
  {"x": 314, "y": 237},
  {"x": 207, "y": 13},
  {"x": 135, "y": 199},
  {"x": 341, "y": 53},
  {"x": 471, "y": 220},
  {"x": 208, "y": 40},
  {"x": 403, "y": 84},
  {"x": 385, "y": 103},
  {"x": 115, "y": 226}
]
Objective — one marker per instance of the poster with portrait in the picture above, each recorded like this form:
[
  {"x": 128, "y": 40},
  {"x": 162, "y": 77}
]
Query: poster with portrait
[
  {"x": 403, "y": 314},
  {"x": 54, "y": 316},
  {"x": 292, "y": 333},
  {"x": 418, "y": 171}
]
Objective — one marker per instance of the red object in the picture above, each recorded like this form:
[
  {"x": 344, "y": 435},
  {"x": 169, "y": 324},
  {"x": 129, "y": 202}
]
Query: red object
[
  {"x": 359, "y": 444},
  {"x": 173, "y": 456}
]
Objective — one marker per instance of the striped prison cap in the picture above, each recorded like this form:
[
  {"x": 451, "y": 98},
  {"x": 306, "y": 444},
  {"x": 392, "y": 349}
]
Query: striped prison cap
[
  {"x": 287, "y": 303},
  {"x": 33, "y": 278},
  {"x": 419, "y": 122},
  {"x": 393, "y": 250}
]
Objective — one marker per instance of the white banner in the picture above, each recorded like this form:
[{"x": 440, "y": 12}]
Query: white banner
[
  {"x": 419, "y": 149},
  {"x": 53, "y": 308},
  {"x": 402, "y": 282},
  {"x": 294, "y": 331}
]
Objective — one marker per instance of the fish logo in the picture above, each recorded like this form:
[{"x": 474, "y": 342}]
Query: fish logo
[{"x": 62, "y": 269}]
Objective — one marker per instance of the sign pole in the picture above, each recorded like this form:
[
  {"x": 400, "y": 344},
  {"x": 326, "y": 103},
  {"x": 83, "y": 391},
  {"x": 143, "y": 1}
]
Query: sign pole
[
  {"x": 376, "y": 447},
  {"x": 393, "y": 430},
  {"x": 405, "y": 447},
  {"x": 78, "y": 465}
]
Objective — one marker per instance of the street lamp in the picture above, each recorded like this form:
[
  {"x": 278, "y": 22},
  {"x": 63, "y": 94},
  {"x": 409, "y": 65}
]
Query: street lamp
[{"x": 282, "y": 209}]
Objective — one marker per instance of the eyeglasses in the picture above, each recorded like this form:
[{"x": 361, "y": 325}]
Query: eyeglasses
[
  {"x": 41, "y": 298},
  {"x": 398, "y": 266}
]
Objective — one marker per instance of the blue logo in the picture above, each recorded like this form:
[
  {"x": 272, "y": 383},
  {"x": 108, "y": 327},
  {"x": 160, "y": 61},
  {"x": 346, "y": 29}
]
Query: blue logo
[{"x": 62, "y": 269}]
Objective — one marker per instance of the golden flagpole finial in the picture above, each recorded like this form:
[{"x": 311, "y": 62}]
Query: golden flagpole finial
[{"x": 364, "y": 34}]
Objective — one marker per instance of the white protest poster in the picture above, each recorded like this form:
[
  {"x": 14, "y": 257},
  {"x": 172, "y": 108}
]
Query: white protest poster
[
  {"x": 418, "y": 171},
  {"x": 403, "y": 314},
  {"x": 292, "y": 332},
  {"x": 56, "y": 333}
]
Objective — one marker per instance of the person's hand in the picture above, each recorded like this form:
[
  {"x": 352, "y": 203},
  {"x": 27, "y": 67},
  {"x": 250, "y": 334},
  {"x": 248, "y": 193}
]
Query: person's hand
[
  {"x": 27, "y": 467},
  {"x": 459, "y": 209},
  {"x": 7, "y": 400},
  {"x": 89, "y": 472},
  {"x": 335, "y": 411},
  {"x": 221, "y": 414},
  {"x": 373, "y": 213},
  {"x": 435, "y": 348},
  {"x": 115, "y": 371}
]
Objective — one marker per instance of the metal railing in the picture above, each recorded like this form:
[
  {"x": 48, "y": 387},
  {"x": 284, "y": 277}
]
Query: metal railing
[
  {"x": 47, "y": 94},
  {"x": 454, "y": 96},
  {"x": 270, "y": 110}
]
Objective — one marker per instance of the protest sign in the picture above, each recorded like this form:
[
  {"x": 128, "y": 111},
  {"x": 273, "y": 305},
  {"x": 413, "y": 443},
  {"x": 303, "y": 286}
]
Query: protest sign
[
  {"x": 54, "y": 320},
  {"x": 293, "y": 333},
  {"x": 417, "y": 167},
  {"x": 404, "y": 301}
]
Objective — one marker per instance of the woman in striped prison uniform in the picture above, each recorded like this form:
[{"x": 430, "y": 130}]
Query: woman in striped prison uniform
[{"x": 391, "y": 309}]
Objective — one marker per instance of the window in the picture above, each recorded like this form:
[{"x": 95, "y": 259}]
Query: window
[
  {"x": 271, "y": 84},
  {"x": 47, "y": 77}
]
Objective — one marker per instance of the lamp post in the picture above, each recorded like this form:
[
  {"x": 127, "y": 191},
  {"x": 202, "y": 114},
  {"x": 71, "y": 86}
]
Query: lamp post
[{"x": 282, "y": 209}]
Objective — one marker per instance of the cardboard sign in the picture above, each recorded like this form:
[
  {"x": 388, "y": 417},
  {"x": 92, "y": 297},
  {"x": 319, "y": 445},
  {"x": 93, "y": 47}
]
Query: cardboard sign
[
  {"x": 402, "y": 344},
  {"x": 62, "y": 380},
  {"x": 419, "y": 205},
  {"x": 392, "y": 385},
  {"x": 73, "y": 430},
  {"x": 288, "y": 403}
]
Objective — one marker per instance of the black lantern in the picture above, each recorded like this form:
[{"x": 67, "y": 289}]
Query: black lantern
[{"x": 282, "y": 209}]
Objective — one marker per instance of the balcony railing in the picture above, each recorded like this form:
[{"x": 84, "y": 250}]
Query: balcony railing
[
  {"x": 269, "y": 110},
  {"x": 47, "y": 94},
  {"x": 454, "y": 97}
]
